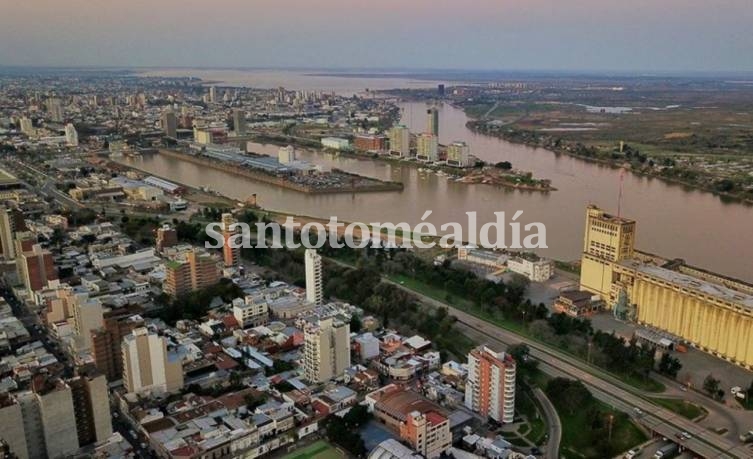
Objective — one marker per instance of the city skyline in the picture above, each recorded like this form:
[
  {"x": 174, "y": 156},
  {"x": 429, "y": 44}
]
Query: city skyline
[{"x": 538, "y": 35}]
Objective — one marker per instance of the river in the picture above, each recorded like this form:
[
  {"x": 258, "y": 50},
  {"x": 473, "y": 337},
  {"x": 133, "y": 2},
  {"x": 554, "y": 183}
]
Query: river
[{"x": 672, "y": 220}]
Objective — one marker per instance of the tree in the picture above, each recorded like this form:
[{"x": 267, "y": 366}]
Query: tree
[
  {"x": 523, "y": 360},
  {"x": 568, "y": 395},
  {"x": 711, "y": 385},
  {"x": 669, "y": 365},
  {"x": 504, "y": 165},
  {"x": 355, "y": 323}
]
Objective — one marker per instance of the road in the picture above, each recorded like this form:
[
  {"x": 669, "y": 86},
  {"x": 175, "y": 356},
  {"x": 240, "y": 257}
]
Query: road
[
  {"x": 605, "y": 387},
  {"x": 554, "y": 436}
]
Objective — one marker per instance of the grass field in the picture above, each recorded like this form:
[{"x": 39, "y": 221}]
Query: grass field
[
  {"x": 577, "y": 438},
  {"x": 681, "y": 407},
  {"x": 318, "y": 450}
]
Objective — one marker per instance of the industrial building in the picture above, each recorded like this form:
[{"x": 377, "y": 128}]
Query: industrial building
[{"x": 706, "y": 310}]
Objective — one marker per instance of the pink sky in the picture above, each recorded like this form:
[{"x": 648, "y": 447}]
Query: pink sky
[{"x": 588, "y": 34}]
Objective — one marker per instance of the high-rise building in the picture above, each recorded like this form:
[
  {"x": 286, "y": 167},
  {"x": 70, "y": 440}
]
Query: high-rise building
[
  {"x": 231, "y": 253},
  {"x": 608, "y": 239},
  {"x": 314, "y": 281},
  {"x": 87, "y": 317},
  {"x": 35, "y": 268},
  {"x": 427, "y": 147},
  {"x": 195, "y": 271},
  {"x": 170, "y": 124},
  {"x": 239, "y": 122},
  {"x": 54, "y": 402},
  {"x": 107, "y": 340},
  {"x": 91, "y": 407},
  {"x": 213, "y": 94},
  {"x": 148, "y": 365},
  {"x": 432, "y": 121},
  {"x": 7, "y": 234},
  {"x": 56, "y": 417},
  {"x": 55, "y": 109},
  {"x": 400, "y": 141},
  {"x": 440, "y": 90},
  {"x": 71, "y": 135},
  {"x": 459, "y": 154},
  {"x": 12, "y": 426},
  {"x": 490, "y": 389},
  {"x": 26, "y": 125},
  {"x": 326, "y": 349},
  {"x": 167, "y": 236}
]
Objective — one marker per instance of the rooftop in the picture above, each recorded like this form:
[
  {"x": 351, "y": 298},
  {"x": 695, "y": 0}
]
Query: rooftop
[{"x": 694, "y": 283}]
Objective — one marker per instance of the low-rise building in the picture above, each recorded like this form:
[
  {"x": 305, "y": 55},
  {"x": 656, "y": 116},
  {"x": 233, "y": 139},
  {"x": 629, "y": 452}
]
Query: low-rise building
[{"x": 535, "y": 269}]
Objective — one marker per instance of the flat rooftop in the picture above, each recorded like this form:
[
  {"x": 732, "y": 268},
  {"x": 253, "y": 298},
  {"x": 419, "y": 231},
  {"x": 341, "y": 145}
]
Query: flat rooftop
[
  {"x": 694, "y": 283},
  {"x": 6, "y": 178}
]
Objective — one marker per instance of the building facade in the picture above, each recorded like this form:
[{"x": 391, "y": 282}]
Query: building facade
[
  {"x": 231, "y": 252},
  {"x": 400, "y": 141},
  {"x": 706, "y": 310},
  {"x": 326, "y": 350},
  {"x": 427, "y": 147},
  {"x": 314, "y": 281},
  {"x": 196, "y": 271},
  {"x": 148, "y": 366},
  {"x": 536, "y": 270},
  {"x": 490, "y": 389},
  {"x": 459, "y": 154},
  {"x": 608, "y": 239}
]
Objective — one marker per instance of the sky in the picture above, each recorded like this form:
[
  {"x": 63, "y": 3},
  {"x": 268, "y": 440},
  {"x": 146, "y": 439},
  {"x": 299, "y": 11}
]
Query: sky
[{"x": 572, "y": 35}]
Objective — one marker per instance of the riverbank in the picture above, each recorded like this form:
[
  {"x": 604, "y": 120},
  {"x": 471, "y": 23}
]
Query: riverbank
[
  {"x": 559, "y": 147},
  {"x": 487, "y": 174},
  {"x": 345, "y": 182}
]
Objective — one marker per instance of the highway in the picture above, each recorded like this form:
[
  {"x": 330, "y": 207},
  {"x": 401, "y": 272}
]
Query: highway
[{"x": 605, "y": 387}]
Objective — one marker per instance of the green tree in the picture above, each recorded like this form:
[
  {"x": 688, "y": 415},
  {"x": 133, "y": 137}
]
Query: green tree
[
  {"x": 669, "y": 365},
  {"x": 711, "y": 385}
]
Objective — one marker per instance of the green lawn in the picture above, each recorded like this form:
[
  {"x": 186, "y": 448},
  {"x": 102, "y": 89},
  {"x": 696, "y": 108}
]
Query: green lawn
[
  {"x": 537, "y": 431},
  {"x": 318, "y": 450},
  {"x": 578, "y": 438},
  {"x": 681, "y": 407}
]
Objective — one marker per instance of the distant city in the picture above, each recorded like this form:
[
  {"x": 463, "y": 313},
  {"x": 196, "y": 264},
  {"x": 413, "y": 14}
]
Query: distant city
[{"x": 123, "y": 335}]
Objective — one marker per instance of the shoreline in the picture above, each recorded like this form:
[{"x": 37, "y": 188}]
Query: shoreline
[
  {"x": 604, "y": 162},
  {"x": 282, "y": 182},
  {"x": 470, "y": 173}
]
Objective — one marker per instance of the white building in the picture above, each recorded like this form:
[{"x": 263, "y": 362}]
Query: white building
[
  {"x": 539, "y": 270},
  {"x": 490, "y": 389},
  {"x": 326, "y": 350},
  {"x": 251, "y": 311},
  {"x": 336, "y": 143},
  {"x": 27, "y": 127},
  {"x": 368, "y": 346},
  {"x": 314, "y": 282},
  {"x": 286, "y": 155},
  {"x": 471, "y": 254},
  {"x": 71, "y": 135},
  {"x": 400, "y": 141},
  {"x": 147, "y": 364}
]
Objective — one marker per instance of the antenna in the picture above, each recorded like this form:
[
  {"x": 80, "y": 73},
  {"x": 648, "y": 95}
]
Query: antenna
[{"x": 619, "y": 196}]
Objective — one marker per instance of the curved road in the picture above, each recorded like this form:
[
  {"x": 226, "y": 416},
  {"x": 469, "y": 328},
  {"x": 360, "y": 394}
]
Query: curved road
[{"x": 552, "y": 450}]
